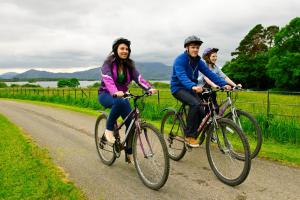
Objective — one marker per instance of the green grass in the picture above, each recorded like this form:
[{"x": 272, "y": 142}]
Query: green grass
[
  {"x": 284, "y": 153},
  {"x": 27, "y": 172}
]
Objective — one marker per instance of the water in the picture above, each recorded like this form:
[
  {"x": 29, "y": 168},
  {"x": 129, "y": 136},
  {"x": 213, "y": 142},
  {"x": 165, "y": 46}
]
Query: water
[{"x": 53, "y": 84}]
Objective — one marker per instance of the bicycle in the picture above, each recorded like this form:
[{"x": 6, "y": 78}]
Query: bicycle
[
  {"x": 149, "y": 148},
  {"x": 225, "y": 141},
  {"x": 244, "y": 120}
]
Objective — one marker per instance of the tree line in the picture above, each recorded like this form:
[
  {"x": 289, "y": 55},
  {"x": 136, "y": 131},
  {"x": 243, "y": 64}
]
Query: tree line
[{"x": 268, "y": 57}]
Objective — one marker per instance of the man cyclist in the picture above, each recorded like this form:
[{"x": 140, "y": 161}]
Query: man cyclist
[{"x": 184, "y": 85}]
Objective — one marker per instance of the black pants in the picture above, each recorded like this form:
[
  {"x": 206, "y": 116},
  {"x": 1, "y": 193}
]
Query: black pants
[{"x": 196, "y": 112}]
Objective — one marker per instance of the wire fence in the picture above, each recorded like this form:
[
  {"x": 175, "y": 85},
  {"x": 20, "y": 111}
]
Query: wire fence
[
  {"x": 269, "y": 103},
  {"x": 277, "y": 112}
]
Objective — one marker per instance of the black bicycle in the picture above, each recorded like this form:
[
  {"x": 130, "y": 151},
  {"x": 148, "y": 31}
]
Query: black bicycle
[
  {"x": 149, "y": 148},
  {"x": 227, "y": 148}
]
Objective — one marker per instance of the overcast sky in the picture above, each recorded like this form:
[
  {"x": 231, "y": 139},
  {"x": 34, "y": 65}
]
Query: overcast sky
[{"x": 69, "y": 35}]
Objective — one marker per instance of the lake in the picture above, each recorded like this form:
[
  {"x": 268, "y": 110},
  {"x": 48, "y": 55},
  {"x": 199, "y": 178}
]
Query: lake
[{"x": 53, "y": 84}]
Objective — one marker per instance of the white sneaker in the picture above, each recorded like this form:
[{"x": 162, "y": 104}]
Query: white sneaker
[{"x": 109, "y": 137}]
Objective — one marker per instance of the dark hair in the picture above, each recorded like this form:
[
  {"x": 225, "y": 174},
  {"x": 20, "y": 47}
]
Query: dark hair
[{"x": 126, "y": 62}]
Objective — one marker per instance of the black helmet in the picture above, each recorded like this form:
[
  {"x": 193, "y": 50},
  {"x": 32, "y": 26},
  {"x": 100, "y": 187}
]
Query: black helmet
[
  {"x": 208, "y": 51},
  {"x": 192, "y": 39},
  {"x": 120, "y": 41}
]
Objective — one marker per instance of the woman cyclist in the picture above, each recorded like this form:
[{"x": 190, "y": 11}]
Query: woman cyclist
[
  {"x": 118, "y": 71},
  {"x": 210, "y": 56}
]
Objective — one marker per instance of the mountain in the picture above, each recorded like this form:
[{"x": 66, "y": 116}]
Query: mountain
[
  {"x": 82, "y": 75},
  {"x": 149, "y": 70},
  {"x": 154, "y": 70},
  {"x": 8, "y": 75}
]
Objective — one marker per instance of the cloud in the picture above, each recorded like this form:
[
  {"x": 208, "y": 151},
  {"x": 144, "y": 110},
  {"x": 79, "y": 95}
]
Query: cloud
[{"x": 79, "y": 33}]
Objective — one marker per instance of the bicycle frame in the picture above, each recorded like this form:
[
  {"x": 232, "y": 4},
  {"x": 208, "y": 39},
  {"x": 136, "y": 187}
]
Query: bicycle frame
[
  {"x": 228, "y": 103},
  {"x": 135, "y": 115}
]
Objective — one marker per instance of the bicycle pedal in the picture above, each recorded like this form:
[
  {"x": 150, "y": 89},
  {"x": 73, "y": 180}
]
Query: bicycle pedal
[{"x": 188, "y": 148}]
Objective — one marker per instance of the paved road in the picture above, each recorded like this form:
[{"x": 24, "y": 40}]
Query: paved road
[{"x": 69, "y": 137}]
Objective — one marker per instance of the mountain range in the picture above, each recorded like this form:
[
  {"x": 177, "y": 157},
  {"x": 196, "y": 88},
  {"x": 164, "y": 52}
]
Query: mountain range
[{"x": 149, "y": 70}]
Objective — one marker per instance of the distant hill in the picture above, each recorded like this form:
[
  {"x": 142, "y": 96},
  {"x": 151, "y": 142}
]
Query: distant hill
[
  {"x": 149, "y": 70},
  {"x": 154, "y": 70},
  {"x": 8, "y": 75}
]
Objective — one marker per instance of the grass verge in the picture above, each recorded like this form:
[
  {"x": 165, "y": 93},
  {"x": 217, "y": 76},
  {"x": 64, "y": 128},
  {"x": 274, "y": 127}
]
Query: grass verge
[{"x": 27, "y": 172}]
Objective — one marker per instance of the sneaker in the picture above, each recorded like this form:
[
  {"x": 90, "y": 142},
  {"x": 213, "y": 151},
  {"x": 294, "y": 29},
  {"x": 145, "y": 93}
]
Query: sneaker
[
  {"x": 192, "y": 142},
  {"x": 109, "y": 137},
  {"x": 129, "y": 159}
]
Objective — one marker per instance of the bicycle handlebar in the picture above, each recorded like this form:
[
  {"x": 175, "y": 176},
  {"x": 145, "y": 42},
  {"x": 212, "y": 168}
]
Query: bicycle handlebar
[
  {"x": 128, "y": 95},
  {"x": 221, "y": 89}
]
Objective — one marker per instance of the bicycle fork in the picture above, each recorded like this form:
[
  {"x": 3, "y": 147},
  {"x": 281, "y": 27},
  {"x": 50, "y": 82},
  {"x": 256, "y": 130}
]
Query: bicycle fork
[{"x": 138, "y": 132}]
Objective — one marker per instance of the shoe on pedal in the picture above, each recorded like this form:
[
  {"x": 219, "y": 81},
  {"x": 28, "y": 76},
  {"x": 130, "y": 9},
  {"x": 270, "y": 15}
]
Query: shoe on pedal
[
  {"x": 192, "y": 142},
  {"x": 109, "y": 137},
  {"x": 129, "y": 159}
]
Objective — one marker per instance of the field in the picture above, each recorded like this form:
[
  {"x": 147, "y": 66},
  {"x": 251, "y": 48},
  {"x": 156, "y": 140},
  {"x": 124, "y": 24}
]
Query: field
[{"x": 277, "y": 113}]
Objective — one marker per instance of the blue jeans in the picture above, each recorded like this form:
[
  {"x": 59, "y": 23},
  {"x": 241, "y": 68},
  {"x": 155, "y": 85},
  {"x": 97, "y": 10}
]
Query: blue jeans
[{"x": 119, "y": 107}]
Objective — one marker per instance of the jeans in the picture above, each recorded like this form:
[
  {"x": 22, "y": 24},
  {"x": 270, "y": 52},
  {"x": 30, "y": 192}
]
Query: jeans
[
  {"x": 196, "y": 111},
  {"x": 119, "y": 107}
]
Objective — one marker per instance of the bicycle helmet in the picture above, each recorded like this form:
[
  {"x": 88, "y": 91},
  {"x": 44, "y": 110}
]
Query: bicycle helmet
[
  {"x": 208, "y": 51},
  {"x": 192, "y": 39},
  {"x": 119, "y": 41}
]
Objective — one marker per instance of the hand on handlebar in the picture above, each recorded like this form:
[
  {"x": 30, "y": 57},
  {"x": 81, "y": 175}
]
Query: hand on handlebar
[
  {"x": 118, "y": 94},
  {"x": 227, "y": 87},
  {"x": 197, "y": 89},
  {"x": 152, "y": 91}
]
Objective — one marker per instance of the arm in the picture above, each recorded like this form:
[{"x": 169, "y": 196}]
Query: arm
[
  {"x": 182, "y": 76},
  {"x": 209, "y": 82},
  {"x": 107, "y": 79},
  {"x": 137, "y": 77},
  {"x": 229, "y": 81},
  {"x": 223, "y": 76}
]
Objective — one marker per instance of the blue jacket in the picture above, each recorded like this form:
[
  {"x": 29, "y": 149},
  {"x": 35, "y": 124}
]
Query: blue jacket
[{"x": 185, "y": 73}]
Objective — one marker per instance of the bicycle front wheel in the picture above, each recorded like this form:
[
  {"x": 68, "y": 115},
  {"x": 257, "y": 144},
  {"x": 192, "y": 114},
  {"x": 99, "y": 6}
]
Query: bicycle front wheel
[
  {"x": 105, "y": 150},
  {"x": 225, "y": 146},
  {"x": 251, "y": 129},
  {"x": 173, "y": 134},
  {"x": 151, "y": 156}
]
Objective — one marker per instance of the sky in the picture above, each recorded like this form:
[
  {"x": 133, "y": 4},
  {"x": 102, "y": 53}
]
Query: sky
[{"x": 73, "y": 35}]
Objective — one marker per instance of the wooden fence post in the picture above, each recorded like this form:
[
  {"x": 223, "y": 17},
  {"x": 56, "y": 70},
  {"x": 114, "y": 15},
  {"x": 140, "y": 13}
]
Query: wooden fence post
[{"x": 268, "y": 114}]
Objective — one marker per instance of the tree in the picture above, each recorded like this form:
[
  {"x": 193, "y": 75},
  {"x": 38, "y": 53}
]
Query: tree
[
  {"x": 251, "y": 57},
  {"x": 62, "y": 83},
  {"x": 3, "y": 85},
  {"x": 253, "y": 43},
  {"x": 270, "y": 32},
  {"x": 284, "y": 58},
  {"x": 68, "y": 83},
  {"x": 74, "y": 82}
]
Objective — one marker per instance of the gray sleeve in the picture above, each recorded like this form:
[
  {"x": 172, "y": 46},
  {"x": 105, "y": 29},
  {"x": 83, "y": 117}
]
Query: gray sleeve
[
  {"x": 220, "y": 73},
  {"x": 201, "y": 81}
]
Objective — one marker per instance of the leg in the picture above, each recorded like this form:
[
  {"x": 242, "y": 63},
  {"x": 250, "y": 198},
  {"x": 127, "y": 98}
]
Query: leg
[
  {"x": 125, "y": 112},
  {"x": 214, "y": 100},
  {"x": 195, "y": 114}
]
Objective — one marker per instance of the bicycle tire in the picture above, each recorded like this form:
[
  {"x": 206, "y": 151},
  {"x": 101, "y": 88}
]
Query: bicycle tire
[
  {"x": 101, "y": 145},
  {"x": 140, "y": 146},
  {"x": 214, "y": 152},
  {"x": 175, "y": 144},
  {"x": 254, "y": 133}
]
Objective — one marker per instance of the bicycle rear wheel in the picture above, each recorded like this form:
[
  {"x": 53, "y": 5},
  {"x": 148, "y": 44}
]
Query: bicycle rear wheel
[
  {"x": 151, "y": 156},
  {"x": 173, "y": 134},
  {"x": 105, "y": 150},
  {"x": 251, "y": 129},
  {"x": 225, "y": 145}
]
